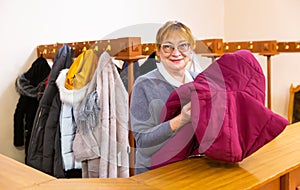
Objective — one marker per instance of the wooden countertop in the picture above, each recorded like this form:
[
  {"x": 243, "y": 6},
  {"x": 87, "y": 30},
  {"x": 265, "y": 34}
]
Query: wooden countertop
[
  {"x": 273, "y": 160},
  {"x": 15, "y": 175},
  {"x": 92, "y": 184},
  {"x": 274, "y": 166}
]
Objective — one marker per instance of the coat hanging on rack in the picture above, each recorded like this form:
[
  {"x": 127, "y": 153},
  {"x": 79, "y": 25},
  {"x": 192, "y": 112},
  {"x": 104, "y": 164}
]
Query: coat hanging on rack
[
  {"x": 44, "y": 147},
  {"x": 73, "y": 85},
  {"x": 104, "y": 149},
  {"x": 30, "y": 85}
]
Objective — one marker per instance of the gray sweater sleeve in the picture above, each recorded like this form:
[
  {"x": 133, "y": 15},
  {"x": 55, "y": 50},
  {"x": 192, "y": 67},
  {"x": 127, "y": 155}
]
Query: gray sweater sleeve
[{"x": 149, "y": 95}]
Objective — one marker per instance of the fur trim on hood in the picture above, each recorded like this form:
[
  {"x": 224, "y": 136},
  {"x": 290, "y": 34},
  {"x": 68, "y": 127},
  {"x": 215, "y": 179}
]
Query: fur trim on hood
[{"x": 24, "y": 87}]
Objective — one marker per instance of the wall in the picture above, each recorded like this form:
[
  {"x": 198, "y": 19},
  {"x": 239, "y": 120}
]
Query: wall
[
  {"x": 268, "y": 20},
  {"x": 27, "y": 24}
]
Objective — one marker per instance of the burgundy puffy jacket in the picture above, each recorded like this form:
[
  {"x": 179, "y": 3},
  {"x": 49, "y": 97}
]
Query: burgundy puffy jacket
[{"x": 229, "y": 118}]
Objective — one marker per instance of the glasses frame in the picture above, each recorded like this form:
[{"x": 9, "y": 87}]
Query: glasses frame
[{"x": 173, "y": 47}]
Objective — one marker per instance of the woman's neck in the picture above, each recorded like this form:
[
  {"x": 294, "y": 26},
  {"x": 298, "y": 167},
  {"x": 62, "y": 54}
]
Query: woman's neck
[
  {"x": 179, "y": 76},
  {"x": 175, "y": 79}
]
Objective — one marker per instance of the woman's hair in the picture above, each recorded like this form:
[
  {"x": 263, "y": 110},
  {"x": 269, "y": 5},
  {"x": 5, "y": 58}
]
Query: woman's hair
[{"x": 170, "y": 27}]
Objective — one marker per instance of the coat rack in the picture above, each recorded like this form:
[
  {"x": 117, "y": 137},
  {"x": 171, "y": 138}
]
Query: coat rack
[
  {"x": 131, "y": 49},
  {"x": 127, "y": 49}
]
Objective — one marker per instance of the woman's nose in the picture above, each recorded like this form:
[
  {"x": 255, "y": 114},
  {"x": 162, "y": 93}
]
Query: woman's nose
[{"x": 176, "y": 52}]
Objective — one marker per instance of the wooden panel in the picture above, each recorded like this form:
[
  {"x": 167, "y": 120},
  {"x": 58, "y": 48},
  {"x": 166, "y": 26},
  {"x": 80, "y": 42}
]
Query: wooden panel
[
  {"x": 294, "y": 104},
  {"x": 127, "y": 47},
  {"x": 291, "y": 180},
  {"x": 261, "y": 47},
  {"x": 273, "y": 185},
  {"x": 233, "y": 46},
  {"x": 15, "y": 175},
  {"x": 48, "y": 51},
  {"x": 79, "y": 47},
  {"x": 148, "y": 48},
  {"x": 207, "y": 46},
  {"x": 288, "y": 46}
]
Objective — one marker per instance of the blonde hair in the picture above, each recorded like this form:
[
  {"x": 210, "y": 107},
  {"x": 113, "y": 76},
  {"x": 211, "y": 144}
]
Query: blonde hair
[{"x": 170, "y": 27}]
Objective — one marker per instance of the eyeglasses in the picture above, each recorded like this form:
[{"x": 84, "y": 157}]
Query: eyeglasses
[{"x": 182, "y": 47}]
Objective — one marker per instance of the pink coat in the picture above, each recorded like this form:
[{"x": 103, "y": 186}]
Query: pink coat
[{"x": 229, "y": 118}]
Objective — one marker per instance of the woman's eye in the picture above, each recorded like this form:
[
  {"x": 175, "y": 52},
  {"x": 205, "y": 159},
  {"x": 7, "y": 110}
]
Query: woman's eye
[
  {"x": 183, "y": 45},
  {"x": 167, "y": 46}
]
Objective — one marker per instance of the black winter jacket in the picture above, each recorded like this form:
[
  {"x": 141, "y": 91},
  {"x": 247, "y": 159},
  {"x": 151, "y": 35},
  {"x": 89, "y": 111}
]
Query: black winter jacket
[
  {"x": 30, "y": 85},
  {"x": 44, "y": 143}
]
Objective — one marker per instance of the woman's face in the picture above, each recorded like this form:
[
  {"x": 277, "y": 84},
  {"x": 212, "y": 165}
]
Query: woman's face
[{"x": 174, "y": 53}]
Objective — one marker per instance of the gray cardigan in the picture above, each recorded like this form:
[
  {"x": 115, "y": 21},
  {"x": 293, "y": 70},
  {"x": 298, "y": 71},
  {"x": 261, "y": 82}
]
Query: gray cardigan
[{"x": 150, "y": 92}]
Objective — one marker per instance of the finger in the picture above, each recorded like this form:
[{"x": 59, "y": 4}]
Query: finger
[{"x": 188, "y": 106}]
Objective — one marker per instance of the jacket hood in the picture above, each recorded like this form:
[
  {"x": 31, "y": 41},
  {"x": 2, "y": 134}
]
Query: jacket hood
[
  {"x": 24, "y": 87},
  {"x": 72, "y": 97}
]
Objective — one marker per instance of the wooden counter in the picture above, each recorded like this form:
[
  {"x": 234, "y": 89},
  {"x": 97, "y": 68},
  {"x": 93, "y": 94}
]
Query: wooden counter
[
  {"x": 274, "y": 166},
  {"x": 92, "y": 184},
  {"x": 15, "y": 175}
]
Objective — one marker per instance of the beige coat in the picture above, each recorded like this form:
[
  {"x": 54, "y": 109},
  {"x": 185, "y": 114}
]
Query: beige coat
[{"x": 106, "y": 146}]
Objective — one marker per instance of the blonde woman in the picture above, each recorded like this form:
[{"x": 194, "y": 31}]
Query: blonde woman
[{"x": 174, "y": 43}]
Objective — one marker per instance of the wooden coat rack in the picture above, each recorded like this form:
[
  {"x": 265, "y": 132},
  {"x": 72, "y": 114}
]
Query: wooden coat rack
[
  {"x": 127, "y": 49},
  {"x": 131, "y": 49}
]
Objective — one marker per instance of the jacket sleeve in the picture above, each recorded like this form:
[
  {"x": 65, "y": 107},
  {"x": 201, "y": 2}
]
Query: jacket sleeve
[
  {"x": 19, "y": 122},
  {"x": 49, "y": 137}
]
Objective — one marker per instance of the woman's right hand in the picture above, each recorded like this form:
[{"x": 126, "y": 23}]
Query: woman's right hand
[{"x": 182, "y": 119}]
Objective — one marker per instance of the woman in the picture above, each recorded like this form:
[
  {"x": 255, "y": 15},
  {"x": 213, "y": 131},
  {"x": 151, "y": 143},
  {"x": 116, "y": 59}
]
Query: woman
[{"x": 174, "y": 43}]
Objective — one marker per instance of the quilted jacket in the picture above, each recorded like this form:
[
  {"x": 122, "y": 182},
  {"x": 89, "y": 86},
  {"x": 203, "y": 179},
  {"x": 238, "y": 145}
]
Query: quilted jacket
[
  {"x": 229, "y": 118},
  {"x": 44, "y": 148}
]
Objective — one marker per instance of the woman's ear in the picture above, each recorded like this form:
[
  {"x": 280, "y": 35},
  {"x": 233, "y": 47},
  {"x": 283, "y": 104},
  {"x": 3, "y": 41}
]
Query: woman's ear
[
  {"x": 157, "y": 55},
  {"x": 158, "y": 52}
]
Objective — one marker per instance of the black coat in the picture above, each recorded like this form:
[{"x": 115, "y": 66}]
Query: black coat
[
  {"x": 30, "y": 85},
  {"x": 44, "y": 145}
]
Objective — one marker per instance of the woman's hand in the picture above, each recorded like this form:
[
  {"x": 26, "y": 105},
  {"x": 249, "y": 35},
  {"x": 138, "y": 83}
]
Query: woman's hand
[{"x": 182, "y": 119}]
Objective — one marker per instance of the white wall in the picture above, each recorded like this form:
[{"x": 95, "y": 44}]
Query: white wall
[
  {"x": 26, "y": 24},
  {"x": 268, "y": 20}
]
